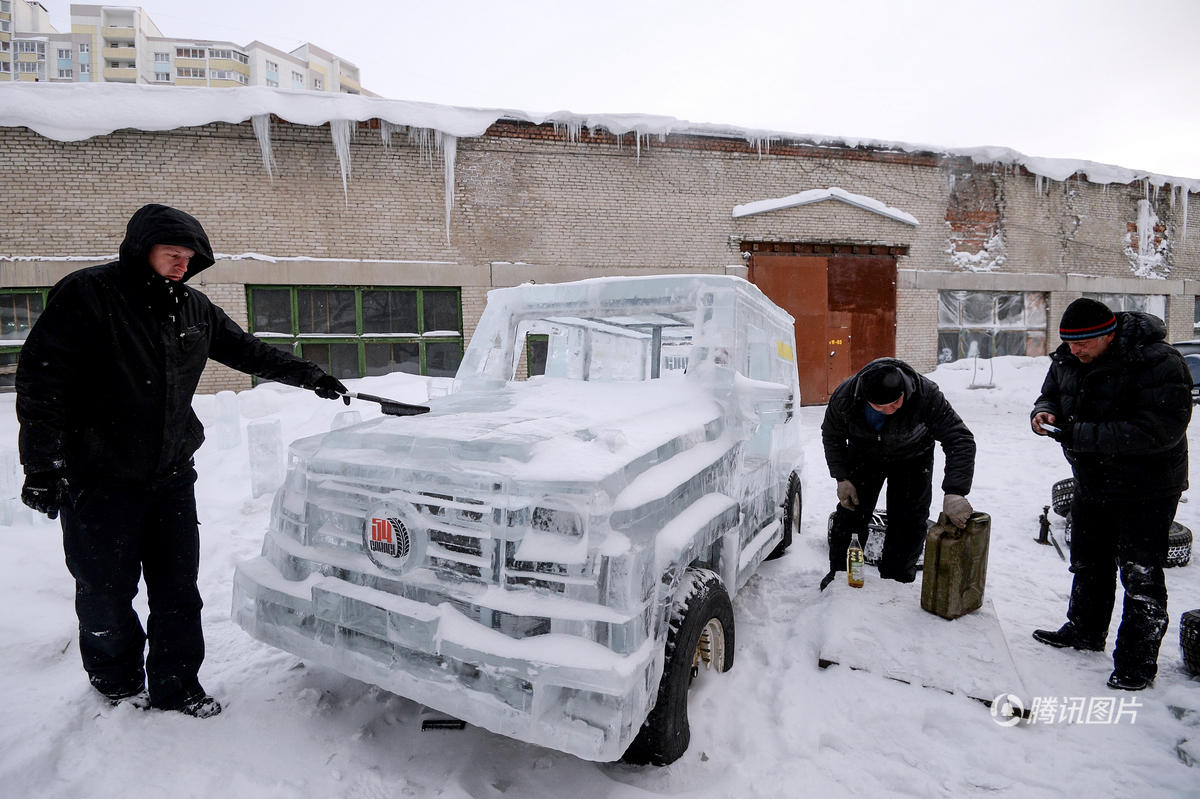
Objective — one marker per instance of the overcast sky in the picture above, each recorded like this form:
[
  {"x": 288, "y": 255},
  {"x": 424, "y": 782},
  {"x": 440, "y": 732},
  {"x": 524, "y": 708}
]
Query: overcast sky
[{"x": 1113, "y": 81}]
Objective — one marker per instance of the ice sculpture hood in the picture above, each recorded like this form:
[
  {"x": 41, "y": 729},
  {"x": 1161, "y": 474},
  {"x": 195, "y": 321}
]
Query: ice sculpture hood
[{"x": 160, "y": 224}]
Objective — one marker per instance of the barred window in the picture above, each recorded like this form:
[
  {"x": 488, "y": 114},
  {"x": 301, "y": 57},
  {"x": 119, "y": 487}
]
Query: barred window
[
  {"x": 19, "y": 309},
  {"x": 1149, "y": 303},
  {"x": 359, "y": 331},
  {"x": 988, "y": 323}
]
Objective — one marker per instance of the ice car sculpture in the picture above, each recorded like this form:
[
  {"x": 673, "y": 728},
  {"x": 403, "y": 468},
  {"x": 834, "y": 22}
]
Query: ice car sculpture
[{"x": 550, "y": 558}]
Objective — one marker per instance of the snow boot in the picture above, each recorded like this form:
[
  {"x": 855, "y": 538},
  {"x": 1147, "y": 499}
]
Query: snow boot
[
  {"x": 131, "y": 691},
  {"x": 1069, "y": 635},
  {"x": 138, "y": 701},
  {"x": 1129, "y": 682},
  {"x": 197, "y": 705},
  {"x": 200, "y": 707}
]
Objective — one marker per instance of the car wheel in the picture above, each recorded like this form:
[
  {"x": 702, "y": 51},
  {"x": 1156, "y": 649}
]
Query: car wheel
[
  {"x": 1189, "y": 640},
  {"x": 1061, "y": 494},
  {"x": 1179, "y": 545},
  {"x": 792, "y": 511},
  {"x": 700, "y": 635}
]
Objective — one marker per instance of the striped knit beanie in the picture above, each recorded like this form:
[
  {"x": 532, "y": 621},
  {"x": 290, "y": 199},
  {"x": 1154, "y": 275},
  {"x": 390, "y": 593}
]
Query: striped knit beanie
[{"x": 1086, "y": 318}]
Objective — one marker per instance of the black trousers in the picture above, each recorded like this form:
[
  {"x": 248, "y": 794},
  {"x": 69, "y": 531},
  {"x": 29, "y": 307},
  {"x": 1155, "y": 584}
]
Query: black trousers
[
  {"x": 1128, "y": 537},
  {"x": 909, "y": 492},
  {"x": 111, "y": 536}
]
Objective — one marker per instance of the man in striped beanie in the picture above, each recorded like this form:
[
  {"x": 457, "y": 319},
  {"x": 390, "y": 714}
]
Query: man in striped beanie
[{"x": 1117, "y": 398}]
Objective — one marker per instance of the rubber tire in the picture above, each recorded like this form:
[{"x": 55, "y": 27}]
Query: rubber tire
[
  {"x": 1179, "y": 545},
  {"x": 665, "y": 735},
  {"x": 1061, "y": 494},
  {"x": 793, "y": 510},
  {"x": 1189, "y": 640}
]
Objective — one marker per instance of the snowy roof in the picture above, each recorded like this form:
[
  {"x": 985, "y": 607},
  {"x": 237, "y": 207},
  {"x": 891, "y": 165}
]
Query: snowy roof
[
  {"x": 820, "y": 195},
  {"x": 76, "y": 111}
]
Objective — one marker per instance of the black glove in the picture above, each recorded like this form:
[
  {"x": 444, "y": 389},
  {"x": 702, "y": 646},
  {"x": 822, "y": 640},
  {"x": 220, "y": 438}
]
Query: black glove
[
  {"x": 329, "y": 387},
  {"x": 46, "y": 491},
  {"x": 1063, "y": 436}
]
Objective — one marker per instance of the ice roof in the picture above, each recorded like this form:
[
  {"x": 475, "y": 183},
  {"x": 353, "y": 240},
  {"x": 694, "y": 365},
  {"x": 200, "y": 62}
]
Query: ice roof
[{"x": 76, "y": 111}]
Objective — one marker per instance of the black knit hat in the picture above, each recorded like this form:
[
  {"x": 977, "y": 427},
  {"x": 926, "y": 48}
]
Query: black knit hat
[
  {"x": 882, "y": 385},
  {"x": 1086, "y": 318}
]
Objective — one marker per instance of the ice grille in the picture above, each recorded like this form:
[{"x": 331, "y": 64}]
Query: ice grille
[
  {"x": 460, "y": 527},
  {"x": 458, "y": 522}
]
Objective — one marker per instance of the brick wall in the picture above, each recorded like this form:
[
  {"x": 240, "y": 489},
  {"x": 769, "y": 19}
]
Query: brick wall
[{"x": 536, "y": 203}]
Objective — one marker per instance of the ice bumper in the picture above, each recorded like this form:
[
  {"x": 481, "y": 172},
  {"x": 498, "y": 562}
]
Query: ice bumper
[{"x": 555, "y": 690}]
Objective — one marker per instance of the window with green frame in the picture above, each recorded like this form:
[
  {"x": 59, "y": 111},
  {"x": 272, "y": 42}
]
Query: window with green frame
[
  {"x": 355, "y": 331},
  {"x": 19, "y": 309}
]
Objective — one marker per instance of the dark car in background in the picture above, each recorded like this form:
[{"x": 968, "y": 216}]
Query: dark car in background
[{"x": 1191, "y": 354}]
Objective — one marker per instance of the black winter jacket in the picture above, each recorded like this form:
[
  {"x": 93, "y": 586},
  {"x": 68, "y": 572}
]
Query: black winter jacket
[
  {"x": 106, "y": 376},
  {"x": 925, "y": 417},
  {"x": 1129, "y": 411}
]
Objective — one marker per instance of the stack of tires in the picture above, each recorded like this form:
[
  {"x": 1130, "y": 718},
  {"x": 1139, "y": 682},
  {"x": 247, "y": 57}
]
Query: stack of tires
[
  {"x": 1179, "y": 539},
  {"x": 1189, "y": 640}
]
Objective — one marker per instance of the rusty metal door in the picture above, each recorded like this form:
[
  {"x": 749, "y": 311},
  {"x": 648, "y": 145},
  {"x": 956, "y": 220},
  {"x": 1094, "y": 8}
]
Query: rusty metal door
[
  {"x": 799, "y": 284},
  {"x": 845, "y": 310}
]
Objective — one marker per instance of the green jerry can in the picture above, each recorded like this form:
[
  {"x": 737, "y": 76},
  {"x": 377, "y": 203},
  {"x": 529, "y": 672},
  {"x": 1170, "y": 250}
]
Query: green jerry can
[{"x": 955, "y": 566}]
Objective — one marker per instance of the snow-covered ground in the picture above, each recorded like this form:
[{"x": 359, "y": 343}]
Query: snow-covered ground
[{"x": 775, "y": 726}]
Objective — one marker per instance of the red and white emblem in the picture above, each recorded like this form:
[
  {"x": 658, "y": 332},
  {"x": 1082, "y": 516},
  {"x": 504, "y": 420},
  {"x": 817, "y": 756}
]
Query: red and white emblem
[{"x": 389, "y": 541}]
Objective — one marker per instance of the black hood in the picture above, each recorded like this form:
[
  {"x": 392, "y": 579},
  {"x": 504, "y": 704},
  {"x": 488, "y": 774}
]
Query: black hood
[
  {"x": 911, "y": 376},
  {"x": 161, "y": 224}
]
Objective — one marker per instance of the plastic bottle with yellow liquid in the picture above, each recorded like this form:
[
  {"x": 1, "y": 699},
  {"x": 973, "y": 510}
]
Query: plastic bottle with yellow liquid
[{"x": 854, "y": 563}]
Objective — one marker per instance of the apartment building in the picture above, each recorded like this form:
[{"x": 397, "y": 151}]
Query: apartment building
[{"x": 121, "y": 44}]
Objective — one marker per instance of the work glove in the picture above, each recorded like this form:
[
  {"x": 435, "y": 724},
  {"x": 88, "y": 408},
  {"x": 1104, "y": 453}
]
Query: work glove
[
  {"x": 329, "y": 387},
  {"x": 957, "y": 510},
  {"x": 1063, "y": 436},
  {"x": 847, "y": 495},
  {"x": 45, "y": 491}
]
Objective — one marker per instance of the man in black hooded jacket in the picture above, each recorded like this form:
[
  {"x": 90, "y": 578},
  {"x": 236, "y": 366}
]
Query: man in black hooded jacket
[
  {"x": 104, "y": 390},
  {"x": 1118, "y": 400},
  {"x": 881, "y": 424}
]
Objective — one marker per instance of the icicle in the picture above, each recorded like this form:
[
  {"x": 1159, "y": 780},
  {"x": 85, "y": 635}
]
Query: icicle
[
  {"x": 1145, "y": 224},
  {"x": 423, "y": 139},
  {"x": 449, "y": 146},
  {"x": 386, "y": 129},
  {"x": 1037, "y": 185},
  {"x": 262, "y": 132},
  {"x": 1170, "y": 195},
  {"x": 637, "y": 138},
  {"x": 1184, "y": 200},
  {"x": 341, "y": 130}
]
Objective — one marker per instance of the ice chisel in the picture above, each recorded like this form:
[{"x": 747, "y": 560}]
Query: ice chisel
[{"x": 390, "y": 407}]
